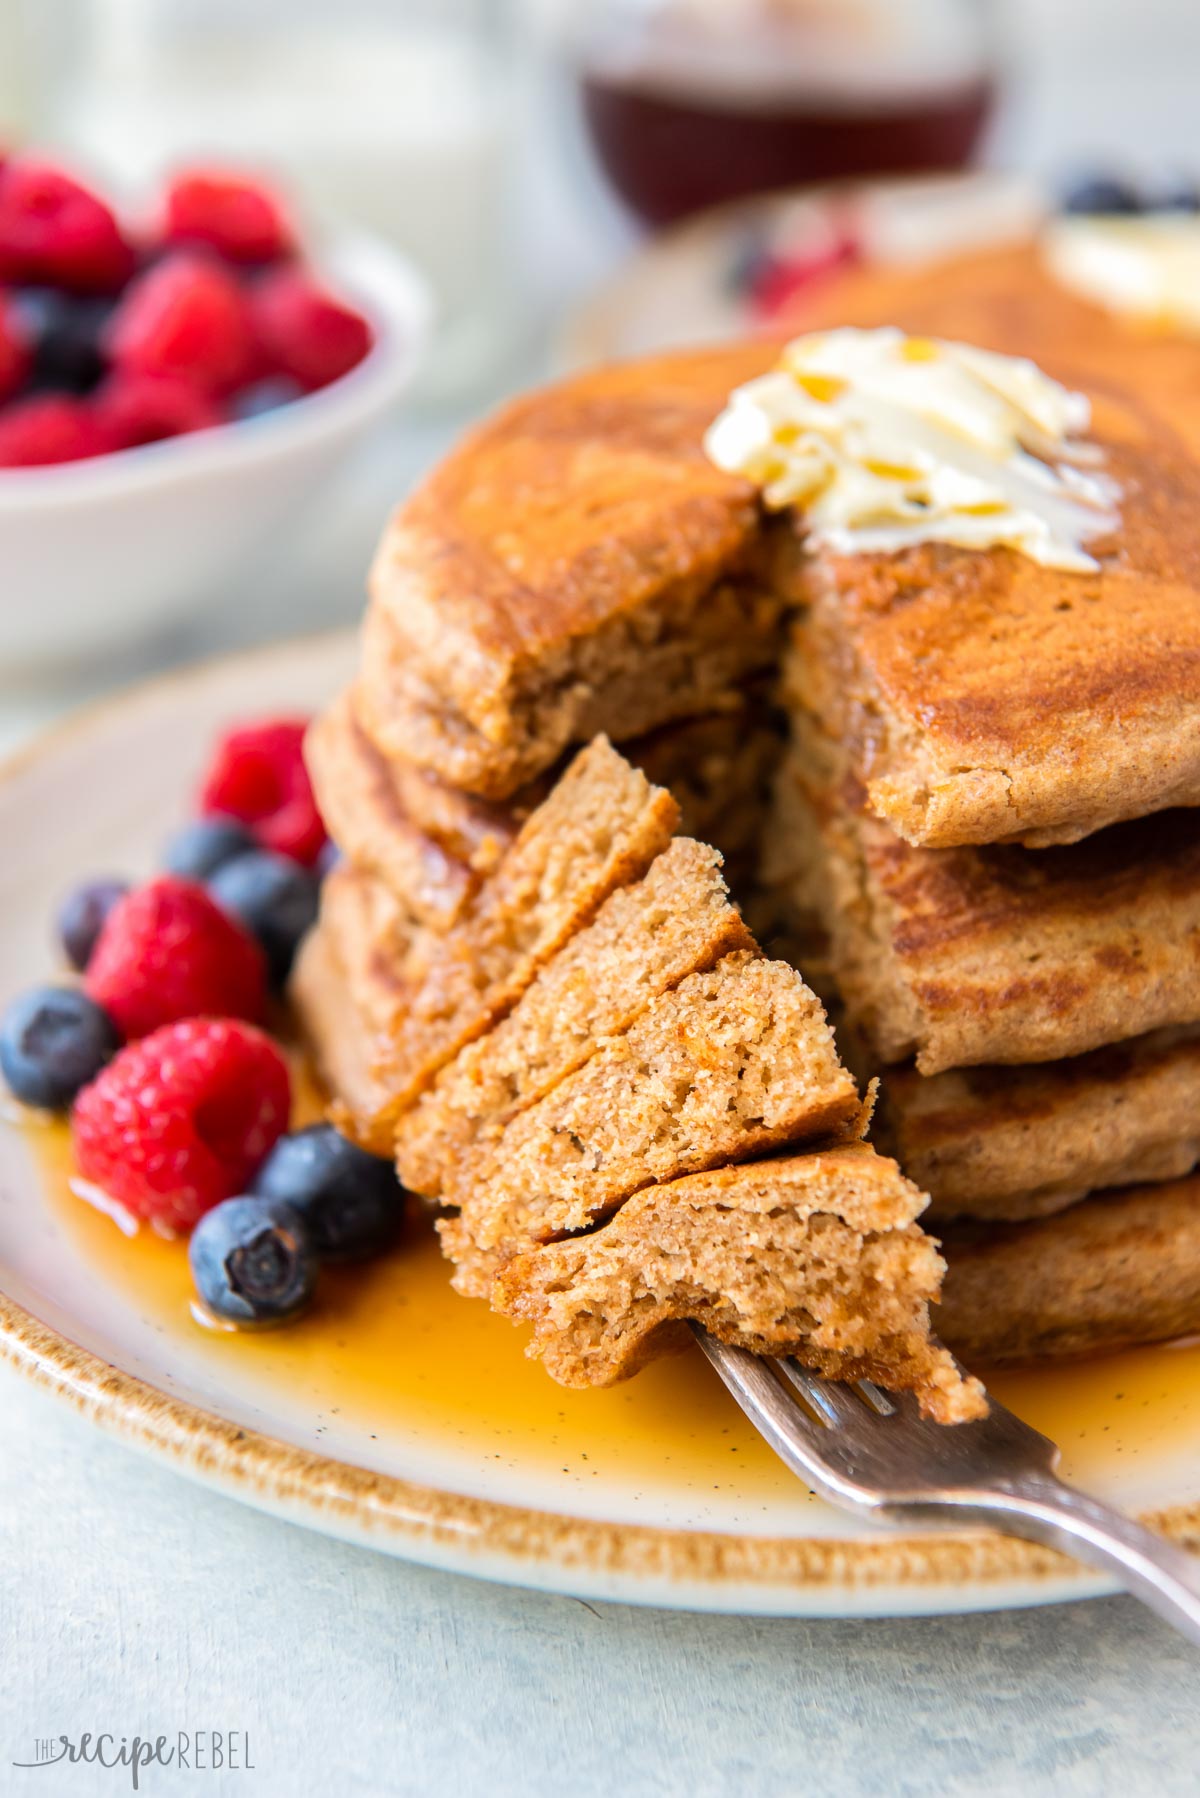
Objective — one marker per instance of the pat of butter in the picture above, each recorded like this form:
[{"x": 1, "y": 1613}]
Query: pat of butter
[
  {"x": 883, "y": 441},
  {"x": 1144, "y": 268}
]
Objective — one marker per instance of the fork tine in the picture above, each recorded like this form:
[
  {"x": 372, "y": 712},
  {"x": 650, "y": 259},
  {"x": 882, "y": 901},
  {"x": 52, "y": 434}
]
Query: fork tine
[{"x": 837, "y": 1405}]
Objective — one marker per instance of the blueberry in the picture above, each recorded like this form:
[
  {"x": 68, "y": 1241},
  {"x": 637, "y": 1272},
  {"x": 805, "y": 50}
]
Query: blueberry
[
  {"x": 266, "y": 395},
  {"x": 53, "y": 1041},
  {"x": 1102, "y": 194},
  {"x": 200, "y": 848},
  {"x": 253, "y": 1261},
  {"x": 274, "y": 898},
  {"x": 65, "y": 331},
  {"x": 351, "y": 1201},
  {"x": 81, "y": 917}
]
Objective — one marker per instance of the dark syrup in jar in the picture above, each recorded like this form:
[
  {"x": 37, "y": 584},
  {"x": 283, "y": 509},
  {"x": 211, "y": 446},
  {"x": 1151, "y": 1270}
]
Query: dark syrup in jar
[{"x": 669, "y": 153}]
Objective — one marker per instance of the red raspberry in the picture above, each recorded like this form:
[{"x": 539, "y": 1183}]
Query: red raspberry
[
  {"x": 303, "y": 331},
  {"x": 182, "y": 1119},
  {"x": 136, "y": 409},
  {"x": 186, "y": 317},
  {"x": 258, "y": 775},
  {"x": 49, "y": 427},
  {"x": 54, "y": 231},
  {"x": 243, "y": 222},
  {"x": 15, "y": 358},
  {"x": 166, "y": 952},
  {"x": 782, "y": 282}
]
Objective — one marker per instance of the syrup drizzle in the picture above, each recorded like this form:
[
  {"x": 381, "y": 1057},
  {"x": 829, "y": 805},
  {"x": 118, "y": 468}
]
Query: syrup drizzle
[{"x": 390, "y": 1348}]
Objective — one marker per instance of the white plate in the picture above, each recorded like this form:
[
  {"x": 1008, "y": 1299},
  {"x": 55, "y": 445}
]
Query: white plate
[{"x": 408, "y": 1420}]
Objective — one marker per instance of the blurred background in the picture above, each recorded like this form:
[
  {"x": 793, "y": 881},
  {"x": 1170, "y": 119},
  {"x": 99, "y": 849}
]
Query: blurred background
[{"x": 546, "y": 169}]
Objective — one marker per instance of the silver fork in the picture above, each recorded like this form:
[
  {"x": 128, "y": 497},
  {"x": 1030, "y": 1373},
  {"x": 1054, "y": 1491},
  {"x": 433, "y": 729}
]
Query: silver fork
[{"x": 872, "y": 1453}]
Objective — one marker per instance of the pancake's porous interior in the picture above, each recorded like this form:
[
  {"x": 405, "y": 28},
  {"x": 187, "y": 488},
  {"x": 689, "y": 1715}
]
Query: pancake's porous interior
[{"x": 634, "y": 762}]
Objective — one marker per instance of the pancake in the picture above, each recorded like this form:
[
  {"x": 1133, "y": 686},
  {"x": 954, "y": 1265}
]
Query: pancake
[
  {"x": 1120, "y": 1269},
  {"x": 1007, "y": 300},
  {"x": 578, "y": 558},
  {"x": 841, "y": 1276},
  {"x": 1016, "y": 1143},
  {"x": 985, "y": 698},
  {"x": 962, "y": 957},
  {"x": 432, "y": 843},
  {"x": 336, "y": 1032},
  {"x": 645, "y": 939},
  {"x": 734, "y": 1062}
]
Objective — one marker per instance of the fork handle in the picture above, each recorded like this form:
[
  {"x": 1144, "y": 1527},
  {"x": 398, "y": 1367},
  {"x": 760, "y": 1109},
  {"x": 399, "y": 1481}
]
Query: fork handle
[{"x": 1045, "y": 1509}]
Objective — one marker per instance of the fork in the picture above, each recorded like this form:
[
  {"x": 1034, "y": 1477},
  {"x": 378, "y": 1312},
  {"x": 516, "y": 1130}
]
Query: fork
[{"x": 872, "y": 1453}]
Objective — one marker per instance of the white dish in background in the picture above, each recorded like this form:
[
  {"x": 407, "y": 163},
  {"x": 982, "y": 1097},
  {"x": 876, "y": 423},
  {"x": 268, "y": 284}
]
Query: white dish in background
[
  {"x": 470, "y": 1458},
  {"x": 95, "y": 552},
  {"x": 688, "y": 286}
]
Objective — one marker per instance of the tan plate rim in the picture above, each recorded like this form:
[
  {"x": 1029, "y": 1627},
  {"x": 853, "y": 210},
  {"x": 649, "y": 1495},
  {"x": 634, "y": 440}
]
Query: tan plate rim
[{"x": 692, "y": 1568}]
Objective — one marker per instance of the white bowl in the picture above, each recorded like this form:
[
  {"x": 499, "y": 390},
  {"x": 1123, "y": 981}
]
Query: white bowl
[{"x": 94, "y": 552}]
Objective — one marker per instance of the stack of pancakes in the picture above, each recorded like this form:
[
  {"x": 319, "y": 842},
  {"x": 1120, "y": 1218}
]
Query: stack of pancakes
[
  {"x": 954, "y": 783},
  {"x": 598, "y": 1020},
  {"x": 985, "y": 806}
]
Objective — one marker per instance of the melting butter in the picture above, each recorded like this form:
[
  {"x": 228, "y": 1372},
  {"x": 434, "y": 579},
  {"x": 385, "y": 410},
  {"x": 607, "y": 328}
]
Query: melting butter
[{"x": 883, "y": 441}]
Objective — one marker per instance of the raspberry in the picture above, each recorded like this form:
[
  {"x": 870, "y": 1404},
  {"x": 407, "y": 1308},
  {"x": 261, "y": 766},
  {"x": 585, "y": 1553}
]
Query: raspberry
[
  {"x": 16, "y": 360},
  {"x": 258, "y": 775},
  {"x": 136, "y": 409},
  {"x": 242, "y": 222},
  {"x": 168, "y": 952},
  {"x": 55, "y": 231},
  {"x": 783, "y": 281},
  {"x": 49, "y": 427},
  {"x": 303, "y": 331},
  {"x": 186, "y": 317},
  {"x": 183, "y": 1119}
]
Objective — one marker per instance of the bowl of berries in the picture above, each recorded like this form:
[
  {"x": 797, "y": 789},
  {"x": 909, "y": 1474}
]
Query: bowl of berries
[{"x": 172, "y": 392}]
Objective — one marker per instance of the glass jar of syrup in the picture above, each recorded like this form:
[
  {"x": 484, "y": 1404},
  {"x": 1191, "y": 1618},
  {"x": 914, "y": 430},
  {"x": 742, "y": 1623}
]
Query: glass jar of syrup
[{"x": 691, "y": 103}]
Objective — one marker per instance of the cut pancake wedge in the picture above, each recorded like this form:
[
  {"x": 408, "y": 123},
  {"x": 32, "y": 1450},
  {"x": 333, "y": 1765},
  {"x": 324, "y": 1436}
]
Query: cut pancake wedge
[
  {"x": 645, "y": 939},
  {"x": 815, "y": 1255},
  {"x": 732, "y": 1063}
]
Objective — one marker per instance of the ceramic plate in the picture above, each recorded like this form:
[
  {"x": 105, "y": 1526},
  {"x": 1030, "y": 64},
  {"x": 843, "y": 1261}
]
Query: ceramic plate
[
  {"x": 695, "y": 284},
  {"x": 403, "y": 1418}
]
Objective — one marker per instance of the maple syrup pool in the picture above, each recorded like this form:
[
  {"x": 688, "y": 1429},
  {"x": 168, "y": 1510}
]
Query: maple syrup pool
[{"x": 388, "y": 1348}]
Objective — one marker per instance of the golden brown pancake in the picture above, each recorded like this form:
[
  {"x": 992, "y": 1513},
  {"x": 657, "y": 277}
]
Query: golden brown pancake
[
  {"x": 577, "y": 557},
  {"x": 1015, "y": 1143},
  {"x": 840, "y": 1276},
  {"x": 1119, "y": 1269},
  {"x": 988, "y": 699},
  {"x": 1007, "y": 300},
  {"x": 431, "y": 844},
  {"x": 962, "y": 957}
]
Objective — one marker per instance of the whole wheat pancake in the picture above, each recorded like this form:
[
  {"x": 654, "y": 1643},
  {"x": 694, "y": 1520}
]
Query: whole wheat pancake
[
  {"x": 985, "y": 698},
  {"x": 335, "y": 1031},
  {"x": 677, "y": 920},
  {"x": 422, "y": 995},
  {"x": 1120, "y": 1269},
  {"x": 1008, "y": 300},
  {"x": 732, "y": 1063},
  {"x": 1014, "y": 1143},
  {"x": 576, "y": 559},
  {"x": 350, "y": 989},
  {"x": 999, "y": 954},
  {"x": 818, "y": 1255},
  {"x": 432, "y": 844}
]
